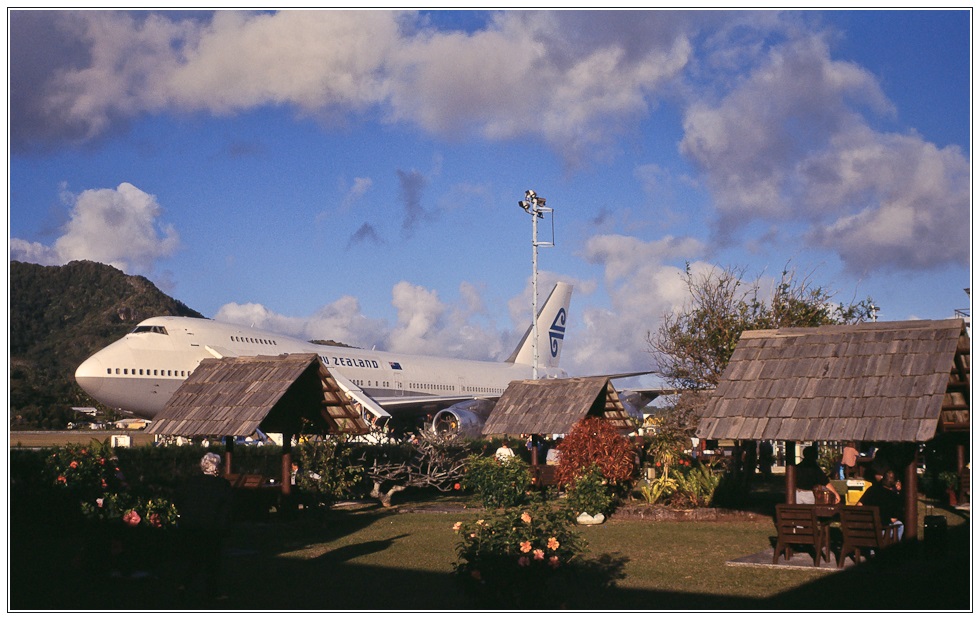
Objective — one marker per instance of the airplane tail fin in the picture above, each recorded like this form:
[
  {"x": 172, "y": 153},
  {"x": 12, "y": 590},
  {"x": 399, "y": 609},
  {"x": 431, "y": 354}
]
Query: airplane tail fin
[{"x": 551, "y": 330}]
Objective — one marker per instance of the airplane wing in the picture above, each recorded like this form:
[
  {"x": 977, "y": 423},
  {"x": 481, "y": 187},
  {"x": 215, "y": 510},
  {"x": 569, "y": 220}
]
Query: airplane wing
[{"x": 396, "y": 403}]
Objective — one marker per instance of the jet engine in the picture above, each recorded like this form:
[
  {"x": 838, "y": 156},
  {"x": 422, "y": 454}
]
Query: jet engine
[{"x": 466, "y": 418}]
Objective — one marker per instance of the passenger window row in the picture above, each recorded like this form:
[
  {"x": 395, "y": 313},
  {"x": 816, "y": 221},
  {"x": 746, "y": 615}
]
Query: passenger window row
[{"x": 156, "y": 372}]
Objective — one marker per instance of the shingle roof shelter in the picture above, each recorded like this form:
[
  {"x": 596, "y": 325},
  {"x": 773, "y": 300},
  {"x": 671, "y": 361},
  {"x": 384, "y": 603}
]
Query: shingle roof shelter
[
  {"x": 553, "y": 406},
  {"x": 232, "y": 397},
  {"x": 899, "y": 382},
  {"x": 237, "y": 395},
  {"x": 887, "y": 382}
]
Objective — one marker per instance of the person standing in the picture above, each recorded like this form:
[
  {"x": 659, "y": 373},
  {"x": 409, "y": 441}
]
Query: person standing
[
  {"x": 848, "y": 460},
  {"x": 504, "y": 453},
  {"x": 204, "y": 506}
]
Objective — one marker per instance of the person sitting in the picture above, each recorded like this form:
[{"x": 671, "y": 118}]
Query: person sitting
[
  {"x": 886, "y": 494},
  {"x": 504, "y": 453},
  {"x": 810, "y": 477}
]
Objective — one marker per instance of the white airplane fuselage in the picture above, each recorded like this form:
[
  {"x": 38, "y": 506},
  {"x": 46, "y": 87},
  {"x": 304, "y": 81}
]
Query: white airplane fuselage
[{"x": 141, "y": 371}]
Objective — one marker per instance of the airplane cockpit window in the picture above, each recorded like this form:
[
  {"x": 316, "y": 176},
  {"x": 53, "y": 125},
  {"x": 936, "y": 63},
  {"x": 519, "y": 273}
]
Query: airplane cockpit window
[{"x": 152, "y": 329}]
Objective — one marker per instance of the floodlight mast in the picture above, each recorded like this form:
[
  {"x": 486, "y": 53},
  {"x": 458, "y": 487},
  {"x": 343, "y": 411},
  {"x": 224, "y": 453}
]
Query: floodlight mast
[{"x": 534, "y": 205}]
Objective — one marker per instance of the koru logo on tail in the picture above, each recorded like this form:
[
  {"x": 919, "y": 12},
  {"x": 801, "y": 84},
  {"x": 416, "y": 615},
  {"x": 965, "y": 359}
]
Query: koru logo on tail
[{"x": 557, "y": 332}]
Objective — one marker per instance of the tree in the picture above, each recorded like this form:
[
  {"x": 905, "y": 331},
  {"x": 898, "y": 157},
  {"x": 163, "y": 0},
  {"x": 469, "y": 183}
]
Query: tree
[
  {"x": 693, "y": 345},
  {"x": 437, "y": 461}
]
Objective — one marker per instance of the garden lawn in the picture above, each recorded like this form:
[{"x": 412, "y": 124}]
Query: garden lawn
[{"x": 370, "y": 558}]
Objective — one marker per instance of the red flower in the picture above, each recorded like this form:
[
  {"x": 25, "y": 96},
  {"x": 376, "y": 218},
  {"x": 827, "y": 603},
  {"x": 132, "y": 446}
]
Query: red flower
[
  {"x": 73, "y": 464},
  {"x": 457, "y": 487},
  {"x": 131, "y": 518},
  {"x": 62, "y": 480}
]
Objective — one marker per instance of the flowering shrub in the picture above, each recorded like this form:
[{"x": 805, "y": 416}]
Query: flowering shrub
[
  {"x": 84, "y": 471},
  {"x": 90, "y": 475},
  {"x": 499, "y": 484},
  {"x": 120, "y": 507},
  {"x": 514, "y": 558}
]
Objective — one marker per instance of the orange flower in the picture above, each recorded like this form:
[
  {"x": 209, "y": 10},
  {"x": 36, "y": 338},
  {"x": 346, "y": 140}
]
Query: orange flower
[
  {"x": 553, "y": 543},
  {"x": 525, "y": 546},
  {"x": 526, "y": 518},
  {"x": 538, "y": 554}
]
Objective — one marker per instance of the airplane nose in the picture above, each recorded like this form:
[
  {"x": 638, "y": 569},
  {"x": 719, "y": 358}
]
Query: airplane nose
[{"x": 91, "y": 375}]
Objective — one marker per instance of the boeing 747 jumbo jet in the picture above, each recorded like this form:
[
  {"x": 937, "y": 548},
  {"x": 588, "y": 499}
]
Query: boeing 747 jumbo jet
[{"x": 141, "y": 371}]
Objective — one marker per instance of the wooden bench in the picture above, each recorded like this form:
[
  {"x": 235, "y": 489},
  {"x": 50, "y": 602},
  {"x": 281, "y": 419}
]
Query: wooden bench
[
  {"x": 863, "y": 532},
  {"x": 797, "y": 524},
  {"x": 245, "y": 481}
]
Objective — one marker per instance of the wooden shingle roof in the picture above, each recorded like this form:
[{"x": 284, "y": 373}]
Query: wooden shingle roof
[
  {"x": 235, "y": 396},
  {"x": 553, "y": 406},
  {"x": 890, "y": 381}
]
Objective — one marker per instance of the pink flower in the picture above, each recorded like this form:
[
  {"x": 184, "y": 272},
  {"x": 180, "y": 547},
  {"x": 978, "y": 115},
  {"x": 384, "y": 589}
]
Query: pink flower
[
  {"x": 526, "y": 518},
  {"x": 155, "y": 520},
  {"x": 62, "y": 480},
  {"x": 526, "y": 547},
  {"x": 553, "y": 543},
  {"x": 73, "y": 464},
  {"x": 539, "y": 554},
  {"x": 131, "y": 518},
  {"x": 523, "y": 561},
  {"x": 99, "y": 502},
  {"x": 457, "y": 526},
  {"x": 553, "y": 561}
]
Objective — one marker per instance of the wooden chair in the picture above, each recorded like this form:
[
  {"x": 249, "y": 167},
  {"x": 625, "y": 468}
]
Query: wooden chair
[
  {"x": 797, "y": 524},
  {"x": 863, "y": 532}
]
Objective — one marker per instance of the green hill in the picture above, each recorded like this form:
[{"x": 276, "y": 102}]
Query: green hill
[{"x": 58, "y": 317}]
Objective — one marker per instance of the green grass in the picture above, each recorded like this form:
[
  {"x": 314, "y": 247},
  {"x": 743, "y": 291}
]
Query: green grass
[{"x": 391, "y": 559}]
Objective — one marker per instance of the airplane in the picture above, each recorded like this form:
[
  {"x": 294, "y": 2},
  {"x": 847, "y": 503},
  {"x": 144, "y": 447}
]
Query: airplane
[{"x": 141, "y": 371}]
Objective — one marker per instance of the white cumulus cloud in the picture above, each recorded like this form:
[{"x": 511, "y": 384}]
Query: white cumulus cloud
[{"x": 118, "y": 227}]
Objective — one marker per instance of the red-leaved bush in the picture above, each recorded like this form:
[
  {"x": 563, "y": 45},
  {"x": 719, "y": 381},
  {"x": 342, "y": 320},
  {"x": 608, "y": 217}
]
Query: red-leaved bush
[{"x": 593, "y": 440}]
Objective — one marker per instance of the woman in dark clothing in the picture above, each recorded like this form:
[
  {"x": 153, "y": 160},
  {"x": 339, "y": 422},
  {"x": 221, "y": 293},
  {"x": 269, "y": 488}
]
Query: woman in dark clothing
[
  {"x": 810, "y": 477},
  {"x": 204, "y": 504}
]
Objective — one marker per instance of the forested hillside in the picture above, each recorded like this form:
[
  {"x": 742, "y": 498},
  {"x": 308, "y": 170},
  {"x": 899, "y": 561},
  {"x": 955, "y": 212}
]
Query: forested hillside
[{"x": 58, "y": 317}]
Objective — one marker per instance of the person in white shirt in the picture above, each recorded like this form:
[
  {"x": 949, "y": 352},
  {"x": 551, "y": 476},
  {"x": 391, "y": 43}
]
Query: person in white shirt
[{"x": 504, "y": 453}]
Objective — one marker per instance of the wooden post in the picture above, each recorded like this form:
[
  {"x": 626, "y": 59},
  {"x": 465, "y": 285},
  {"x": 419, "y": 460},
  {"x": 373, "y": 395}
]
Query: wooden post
[
  {"x": 229, "y": 446},
  {"x": 790, "y": 472},
  {"x": 910, "y": 489},
  {"x": 287, "y": 464}
]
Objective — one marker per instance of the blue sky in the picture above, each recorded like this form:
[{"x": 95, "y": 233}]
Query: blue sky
[{"x": 355, "y": 175}]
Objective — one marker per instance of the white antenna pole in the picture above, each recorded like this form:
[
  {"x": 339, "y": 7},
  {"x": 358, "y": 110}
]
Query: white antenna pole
[{"x": 534, "y": 205}]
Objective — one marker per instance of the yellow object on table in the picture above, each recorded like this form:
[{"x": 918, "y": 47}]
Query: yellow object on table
[{"x": 855, "y": 489}]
